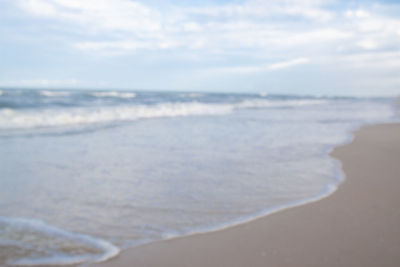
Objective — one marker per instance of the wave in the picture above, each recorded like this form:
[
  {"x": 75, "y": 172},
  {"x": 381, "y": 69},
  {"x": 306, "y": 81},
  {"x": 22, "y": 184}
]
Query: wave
[
  {"x": 262, "y": 103},
  {"x": 114, "y": 94},
  {"x": 38, "y": 243},
  {"x": 16, "y": 119},
  {"x": 191, "y": 95},
  {"x": 1, "y": 93},
  {"x": 22, "y": 119},
  {"x": 263, "y": 94},
  {"x": 53, "y": 93}
]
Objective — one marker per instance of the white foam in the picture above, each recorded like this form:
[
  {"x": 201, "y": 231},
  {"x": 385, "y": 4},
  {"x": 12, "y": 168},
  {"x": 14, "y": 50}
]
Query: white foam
[
  {"x": 264, "y": 103},
  {"x": 49, "y": 245},
  {"x": 53, "y": 93},
  {"x": 191, "y": 95},
  {"x": 48, "y": 261},
  {"x": 17, "y": 119},
  {"x": 7, "y": 112},
  {"x": 263, "y": 94},
  {"x": 114, "y": 94}
]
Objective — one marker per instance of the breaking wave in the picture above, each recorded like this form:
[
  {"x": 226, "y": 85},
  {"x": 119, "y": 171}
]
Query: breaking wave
[
  {"x": 261, "y": 103},
  {"x": 21, "y": 119},
  {"x": 53, "y": 93}
]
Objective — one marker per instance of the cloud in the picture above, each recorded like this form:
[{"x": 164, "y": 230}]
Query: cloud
[
  {"x": 38, "y": 7},
  {"x": 288, "y": 63},
  {"x": 261, "y": 68},
  {"x": 254, "y": 27},
  {"x": 257, "y": 9},
  {"x": 125, "y": 26},
  {"x": 98, "y": 15},
  {"x": 383, "y": 61},
  {"x": 172, "y": 37},
  {"x": 43, "y": 83},
  {"x": 372, "y": 30},
  {"x": 359, "y": 13}
]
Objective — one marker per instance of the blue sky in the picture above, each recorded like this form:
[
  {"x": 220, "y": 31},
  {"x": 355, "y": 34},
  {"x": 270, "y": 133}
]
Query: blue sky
[{"x": 292, "y": 46}]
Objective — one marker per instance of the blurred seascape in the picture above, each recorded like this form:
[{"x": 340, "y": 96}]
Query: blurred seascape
[{"x": 85, "y": 174}]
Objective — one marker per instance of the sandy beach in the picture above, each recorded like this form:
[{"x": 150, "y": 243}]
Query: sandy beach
[{"x": 358, "y": 225}]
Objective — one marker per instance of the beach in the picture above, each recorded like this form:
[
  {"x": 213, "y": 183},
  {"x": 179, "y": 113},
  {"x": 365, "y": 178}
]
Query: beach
[
  {"x": 199, "y": 133},
  {"x": 110, "y": 176},
  {"x": 357, "y": 225}
]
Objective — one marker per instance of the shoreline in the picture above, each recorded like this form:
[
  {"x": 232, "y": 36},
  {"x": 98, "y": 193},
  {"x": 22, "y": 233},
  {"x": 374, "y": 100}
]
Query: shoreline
[{"x": 355, "y": 226}]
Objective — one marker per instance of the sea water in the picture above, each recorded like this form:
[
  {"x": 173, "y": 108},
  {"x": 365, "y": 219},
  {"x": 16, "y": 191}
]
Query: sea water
[{"x": 85, "y": 174}]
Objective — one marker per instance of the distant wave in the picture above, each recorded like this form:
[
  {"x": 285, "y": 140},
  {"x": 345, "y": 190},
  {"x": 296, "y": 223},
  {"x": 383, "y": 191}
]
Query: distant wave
[
  {"x": 190, "y": 95},
  {"x": 114, "y": 94},
  {"x": 264, "y": 103},
  {"x": 41, "y": 244},
  {"x": 1, "y": 93},
  {"x": 263, "y": 94},
  {"x": 54, "y": 93}
]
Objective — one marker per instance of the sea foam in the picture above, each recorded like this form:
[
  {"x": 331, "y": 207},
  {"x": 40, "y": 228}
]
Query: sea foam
[
  {"x": 38, "y": 243},
  {"x": 54, "y": 93},
  {"x": 264, "y": 103},
  {"x": 114, "y": 94}
]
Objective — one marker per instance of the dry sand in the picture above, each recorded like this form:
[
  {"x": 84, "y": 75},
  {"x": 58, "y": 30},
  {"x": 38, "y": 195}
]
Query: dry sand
[{"x": 358, "y": 225}]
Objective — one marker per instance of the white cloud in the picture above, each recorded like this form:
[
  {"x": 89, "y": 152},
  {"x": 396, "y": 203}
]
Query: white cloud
[
  {"x": 261, "y": 68},
  {"x": 372, "y": 30},
  {"x": 265, "y": 9},
  {"x": 383, "y": 61},
  {"x": 367, "y": 44},
  {"x": 130, "y": 25},
  {"x": 39, "y": 8},
  {"x": 359, "y": 13},
  {"x": 192, "y": 27},
  {"x": 122, "y": 47},
  {"x": 260, "y": 27},
  {"x": 98, "y": 15},
  {"x": 321, "y": 35},
  {"x": 341, "y": 37},
  {"x": 288, "y": 63}
]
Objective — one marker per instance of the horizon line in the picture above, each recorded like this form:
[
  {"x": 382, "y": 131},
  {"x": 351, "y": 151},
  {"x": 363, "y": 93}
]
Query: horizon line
[{"x": 238, "y": 92}]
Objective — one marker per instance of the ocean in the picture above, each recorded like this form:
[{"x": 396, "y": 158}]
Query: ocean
[{"x": 85, "y": 174}]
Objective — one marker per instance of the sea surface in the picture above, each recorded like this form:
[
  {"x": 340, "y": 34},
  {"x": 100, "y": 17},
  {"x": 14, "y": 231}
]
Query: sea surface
[{"x": 85, "y": 174}]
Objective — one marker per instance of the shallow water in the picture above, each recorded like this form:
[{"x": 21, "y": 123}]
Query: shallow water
[{"x": 86, "y": 173}]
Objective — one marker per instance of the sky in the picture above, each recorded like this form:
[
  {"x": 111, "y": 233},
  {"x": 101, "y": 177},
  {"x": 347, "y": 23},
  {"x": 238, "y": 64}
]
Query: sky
[{"x": 318, "y": 47}]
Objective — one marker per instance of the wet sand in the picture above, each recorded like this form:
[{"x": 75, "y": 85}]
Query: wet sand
[{"x": 358, "y": 225}]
